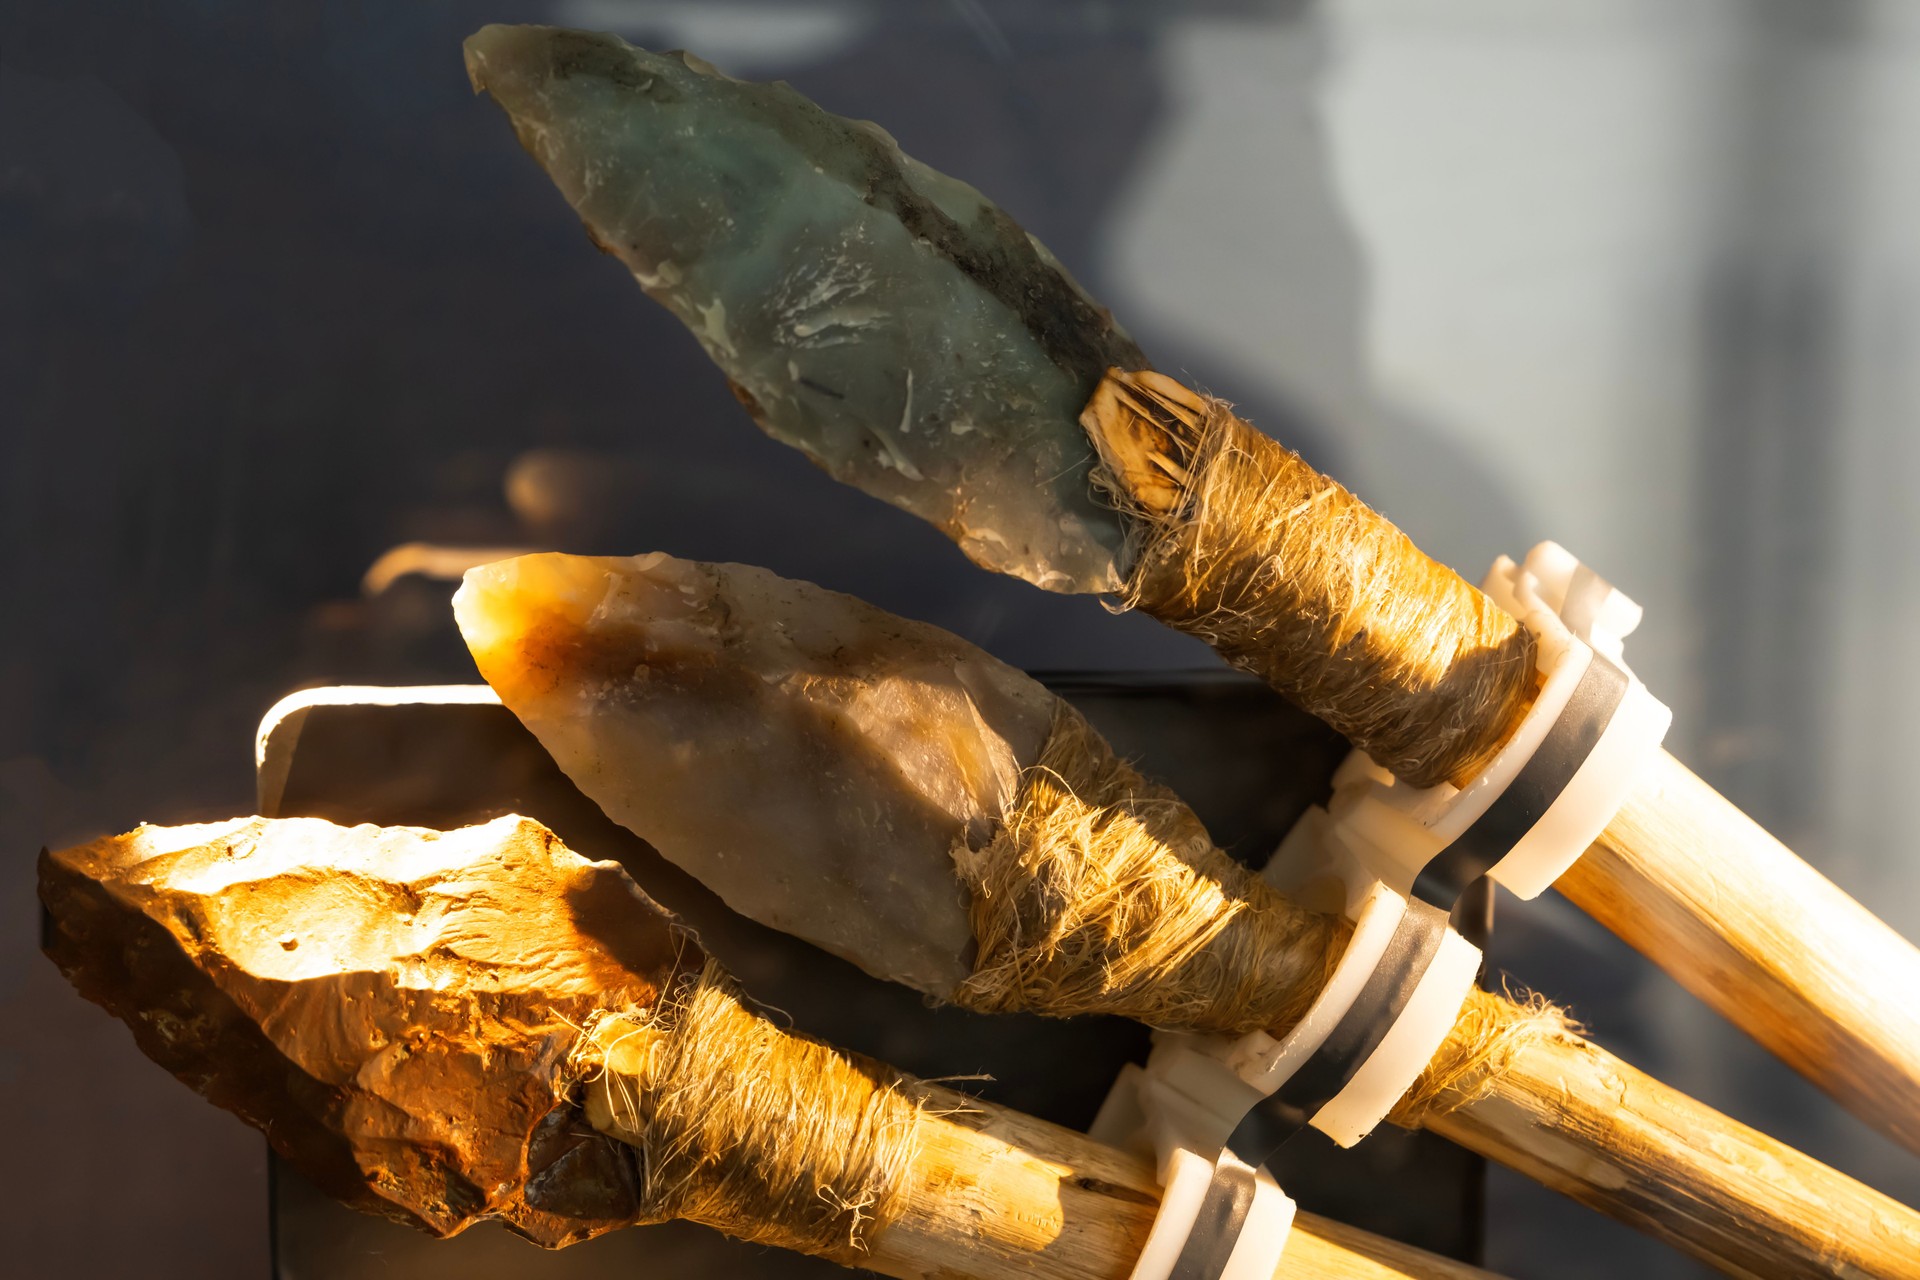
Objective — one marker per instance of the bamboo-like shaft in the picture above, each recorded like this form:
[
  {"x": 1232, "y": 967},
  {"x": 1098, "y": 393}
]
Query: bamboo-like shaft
[
  {"x": 1579, "y": 1120},
  {"x": 1701, "y": 889},
  {"x": 1333, "y": 1250}
]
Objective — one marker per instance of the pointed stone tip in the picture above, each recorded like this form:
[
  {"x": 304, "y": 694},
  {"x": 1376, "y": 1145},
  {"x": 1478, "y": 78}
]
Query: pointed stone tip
[
  {"x": 536, "y": 622},
  {"x": 477, "y": 608},
  {"x": 394, "y": 1007},
  {"x": 485, "y": 49},
  {"x": 511, "y": 61},
  {"x": 555, "y": 83}
]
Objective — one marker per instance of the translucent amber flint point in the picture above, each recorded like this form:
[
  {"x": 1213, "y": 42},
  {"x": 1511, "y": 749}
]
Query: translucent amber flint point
[{"x": 813, "y": 759}]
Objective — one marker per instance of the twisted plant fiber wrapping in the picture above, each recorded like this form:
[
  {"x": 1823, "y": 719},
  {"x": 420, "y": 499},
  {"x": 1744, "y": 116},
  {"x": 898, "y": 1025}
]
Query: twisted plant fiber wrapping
[
  {"x": 1293, "y": 579},
  {"x": 763, "y": 1134},
  {"x": 1101, "y": 893}
]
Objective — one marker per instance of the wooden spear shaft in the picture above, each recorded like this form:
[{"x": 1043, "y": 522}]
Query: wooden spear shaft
[
  {"x": 1003, "y": 1192},
  {"x": 1016, "y": 1197},
  {"x": 1577, "y": 1119},
  {"x": 1704, "y": 892},
  {"x": 992, "y": 1193},
  {"x": 1680, "y": 873}
]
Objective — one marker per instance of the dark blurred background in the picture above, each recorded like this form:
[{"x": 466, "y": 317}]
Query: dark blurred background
[{"x": 289, "y": 326}]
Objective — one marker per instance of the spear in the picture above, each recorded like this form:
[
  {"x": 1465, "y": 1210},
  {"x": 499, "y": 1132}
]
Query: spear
[
  {"x": 447, "y": 1028},
  {"x": 896, "y": 796},
  {"x": 901, "y": 330}
]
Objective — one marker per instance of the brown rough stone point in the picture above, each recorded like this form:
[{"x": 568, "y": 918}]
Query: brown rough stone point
[{"x": 393, "y": 1007}]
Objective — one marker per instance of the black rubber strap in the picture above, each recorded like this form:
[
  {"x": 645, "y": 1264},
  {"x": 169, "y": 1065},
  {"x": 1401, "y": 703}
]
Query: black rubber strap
[
  {"x": 1286, "y": 1111},
  {"x": 1539, "y": 783},
  {"x": 1216, "y": 1228}
]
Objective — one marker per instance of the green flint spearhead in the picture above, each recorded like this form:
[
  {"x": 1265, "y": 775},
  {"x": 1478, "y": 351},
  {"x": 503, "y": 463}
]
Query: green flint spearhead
[{"x": 887, "y": 320}]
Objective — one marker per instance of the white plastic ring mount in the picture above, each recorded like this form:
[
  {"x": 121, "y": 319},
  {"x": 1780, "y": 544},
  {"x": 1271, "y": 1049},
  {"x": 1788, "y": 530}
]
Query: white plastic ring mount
[
  {"x": 1219, "y": 1218},
  {"x": 1388, "y": 1007},
  {"x": 1375, "y": 1025}
]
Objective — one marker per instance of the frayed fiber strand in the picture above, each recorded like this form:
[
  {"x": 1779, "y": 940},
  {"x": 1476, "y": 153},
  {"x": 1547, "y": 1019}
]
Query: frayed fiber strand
[
  {"x": 763, "y": 1134},
  {"x": 1101, "y": 893},
  {"x": 1290, "y": 577},
  {"x": 1492, "y": 1030}
]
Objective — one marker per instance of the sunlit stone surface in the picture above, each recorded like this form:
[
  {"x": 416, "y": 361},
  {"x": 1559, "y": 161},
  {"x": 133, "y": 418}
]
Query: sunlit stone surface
[
  {"x": 392, "y": 1006},
  {"x": 887, "y": 320},
  {"x": 809, "y": 757}
]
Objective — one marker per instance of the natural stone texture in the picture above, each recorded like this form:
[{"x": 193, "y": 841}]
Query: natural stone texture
[
  {"x": 811, "y": 758},
  {"x": 886, "y": 319},
  {"x": 393, "y": 1007}
]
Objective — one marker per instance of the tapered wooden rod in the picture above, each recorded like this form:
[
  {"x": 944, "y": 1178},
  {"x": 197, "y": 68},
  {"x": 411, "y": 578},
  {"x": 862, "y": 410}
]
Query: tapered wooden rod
[
  {"x": 994, "y": 1193},
  {"x": 1575, "y": 1118},
  {"x": 1703, "y": 891}
]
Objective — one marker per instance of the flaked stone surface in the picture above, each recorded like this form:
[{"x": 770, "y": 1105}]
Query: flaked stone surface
[
  {"x": 888, "y": 320},
  {"x": 392, "y": 1007},
  {"x": 811, "y": 758}
]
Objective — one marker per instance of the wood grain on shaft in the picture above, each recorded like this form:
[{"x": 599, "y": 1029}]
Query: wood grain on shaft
[
  {"x": 1700, "y": 889},
  {"x": 1332, "y": 1250},
  {"x": 995, "y": 1193},
  {"x": 1579, "y": 1120}
]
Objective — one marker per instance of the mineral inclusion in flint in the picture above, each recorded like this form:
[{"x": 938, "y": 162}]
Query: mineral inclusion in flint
[{"x": 887, "y": 320}]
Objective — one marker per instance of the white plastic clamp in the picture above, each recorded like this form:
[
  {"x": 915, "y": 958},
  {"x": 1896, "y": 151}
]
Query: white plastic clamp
[
  {"x": 1375, "y": 1025},
  {"x": 1219, "y": 1217},
  {"x": 1395, "y": 860},
  {"x": 1389, "y": 1005},
  {"x": 1557, "y": 782}
]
